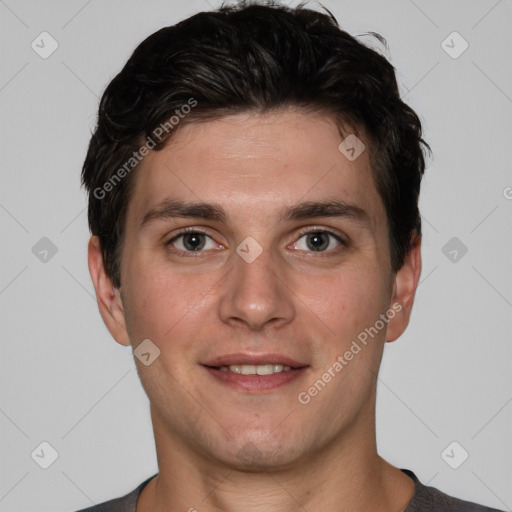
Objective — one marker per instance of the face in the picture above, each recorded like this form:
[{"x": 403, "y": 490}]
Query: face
[{"x": 253, "y": 244}]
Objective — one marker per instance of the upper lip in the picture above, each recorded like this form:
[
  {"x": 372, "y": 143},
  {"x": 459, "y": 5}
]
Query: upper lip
[{"x": 254, "y": 359}]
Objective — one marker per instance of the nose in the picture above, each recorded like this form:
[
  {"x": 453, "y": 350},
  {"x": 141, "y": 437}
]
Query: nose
[{"x": 255, "y": 294}]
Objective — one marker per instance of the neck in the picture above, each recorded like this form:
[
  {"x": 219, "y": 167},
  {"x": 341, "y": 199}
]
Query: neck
[{"x": 346, "y": 475}]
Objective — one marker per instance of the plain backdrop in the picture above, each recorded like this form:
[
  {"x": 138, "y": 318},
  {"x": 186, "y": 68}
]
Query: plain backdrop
[{"x": 65, "y": 382}]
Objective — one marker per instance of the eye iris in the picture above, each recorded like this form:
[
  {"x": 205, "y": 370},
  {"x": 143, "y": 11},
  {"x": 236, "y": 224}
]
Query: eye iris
[
  {"x": 315, "y": 241},
  {"x": 193, "y": 241}
]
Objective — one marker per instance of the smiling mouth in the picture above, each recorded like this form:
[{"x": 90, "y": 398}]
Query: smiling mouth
[
  {"x": 252, "y": 369},
  {"x": 255, "y": 378},
  {"x": 255, "y": 373}
]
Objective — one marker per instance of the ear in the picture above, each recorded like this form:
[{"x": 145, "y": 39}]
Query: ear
[
  {"x": 108, "y": 297},
  {"x": 404, "y": 289}
]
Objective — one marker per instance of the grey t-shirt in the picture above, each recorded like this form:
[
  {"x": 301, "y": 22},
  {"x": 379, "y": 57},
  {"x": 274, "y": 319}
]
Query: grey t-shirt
[{"x": 424, "y": 499}]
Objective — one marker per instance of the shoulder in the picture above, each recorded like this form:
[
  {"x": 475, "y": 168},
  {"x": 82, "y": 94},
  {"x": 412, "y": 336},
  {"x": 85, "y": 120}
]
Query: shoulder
[
  {"x": 127, "y": 503},
  {"x": 430, "y": 499}
]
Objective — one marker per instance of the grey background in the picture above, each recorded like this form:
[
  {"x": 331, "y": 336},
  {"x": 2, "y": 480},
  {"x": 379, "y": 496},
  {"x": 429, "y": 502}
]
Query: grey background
[{"x": 63, "y": 379}]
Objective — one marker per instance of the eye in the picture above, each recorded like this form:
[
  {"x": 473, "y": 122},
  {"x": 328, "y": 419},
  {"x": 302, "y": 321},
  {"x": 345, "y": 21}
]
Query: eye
[
  {"x": 318, "y": 241},
  {"x": 191, "y": 241}
]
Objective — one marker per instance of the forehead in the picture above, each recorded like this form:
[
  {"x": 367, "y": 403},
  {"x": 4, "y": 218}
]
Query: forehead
[{"x": 256, "y": 163}]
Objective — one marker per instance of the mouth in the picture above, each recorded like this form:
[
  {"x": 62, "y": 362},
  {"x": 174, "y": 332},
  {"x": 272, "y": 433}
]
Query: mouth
[
  {"x": 251, "y": 369},
  {"x": 255, "y": 374}
]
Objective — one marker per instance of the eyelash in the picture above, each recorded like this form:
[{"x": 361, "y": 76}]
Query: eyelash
[{"x": 185, "y": 231}]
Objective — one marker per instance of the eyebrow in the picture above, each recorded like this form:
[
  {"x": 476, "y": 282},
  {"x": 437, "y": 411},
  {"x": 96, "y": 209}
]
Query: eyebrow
[
  {"x": 172, "y": 208},
  {"x": 329, "y": 208}
]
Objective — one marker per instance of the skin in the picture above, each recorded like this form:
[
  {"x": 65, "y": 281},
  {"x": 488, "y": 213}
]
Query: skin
[{"x": 223, "y": 449}]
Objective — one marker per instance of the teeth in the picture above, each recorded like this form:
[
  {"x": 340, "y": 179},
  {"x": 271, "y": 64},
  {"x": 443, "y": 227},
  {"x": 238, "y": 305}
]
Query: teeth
[{"x": 260, "y": 369}]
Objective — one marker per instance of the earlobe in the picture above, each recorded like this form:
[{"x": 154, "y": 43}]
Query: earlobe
[
  {"x": 108, "y": 296},
  {"x": 404, "y": 290}
]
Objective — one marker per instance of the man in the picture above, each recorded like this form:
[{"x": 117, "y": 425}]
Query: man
[{"x": 253, "y": 199}]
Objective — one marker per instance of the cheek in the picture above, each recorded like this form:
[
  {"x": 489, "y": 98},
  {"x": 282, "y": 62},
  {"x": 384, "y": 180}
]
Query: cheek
[
  {"x": 156, "y": 300},
  {"x": 347, "y": 301},
  {"x": 166, "y": 306}
]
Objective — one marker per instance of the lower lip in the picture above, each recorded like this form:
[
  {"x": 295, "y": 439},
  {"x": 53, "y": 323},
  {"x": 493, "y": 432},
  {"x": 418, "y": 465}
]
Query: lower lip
[{"x": 256, "y": 383}]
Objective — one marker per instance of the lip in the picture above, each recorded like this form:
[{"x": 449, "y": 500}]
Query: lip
[
  {"x": 255, "y": 359},
  {"x": 255, "y": 383}
]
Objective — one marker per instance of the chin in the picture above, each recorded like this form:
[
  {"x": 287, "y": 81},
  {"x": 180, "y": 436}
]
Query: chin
[{"x": 258, "y": 456}]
